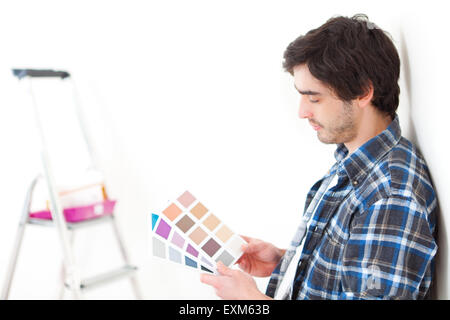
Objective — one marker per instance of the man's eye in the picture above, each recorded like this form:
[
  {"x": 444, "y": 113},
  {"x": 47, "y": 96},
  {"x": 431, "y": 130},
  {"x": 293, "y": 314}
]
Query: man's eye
[{"x": 313, "y": 101}]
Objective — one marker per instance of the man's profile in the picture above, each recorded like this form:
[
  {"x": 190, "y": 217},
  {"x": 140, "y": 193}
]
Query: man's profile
[{"x": 367, "y": 230}]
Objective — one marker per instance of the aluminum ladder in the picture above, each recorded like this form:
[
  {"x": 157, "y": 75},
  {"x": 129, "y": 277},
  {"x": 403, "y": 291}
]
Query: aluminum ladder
[{"x": 70, "y": 273}]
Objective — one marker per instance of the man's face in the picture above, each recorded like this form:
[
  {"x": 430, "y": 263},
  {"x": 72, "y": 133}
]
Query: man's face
[{"x": 333, "y": 119}]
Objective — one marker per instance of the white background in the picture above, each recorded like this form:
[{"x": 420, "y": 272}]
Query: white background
[{"x": 191, "y": 95}]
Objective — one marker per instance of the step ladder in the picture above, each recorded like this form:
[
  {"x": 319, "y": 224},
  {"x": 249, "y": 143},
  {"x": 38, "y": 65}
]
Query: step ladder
[{"x": 70, "y": 273}]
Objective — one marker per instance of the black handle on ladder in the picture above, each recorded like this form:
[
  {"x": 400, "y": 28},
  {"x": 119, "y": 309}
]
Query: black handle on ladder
[{"x": 38, "y": 73}]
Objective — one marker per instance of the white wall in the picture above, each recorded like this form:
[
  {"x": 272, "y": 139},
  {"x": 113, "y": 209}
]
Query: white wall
[{"x": 191, "y": 95}]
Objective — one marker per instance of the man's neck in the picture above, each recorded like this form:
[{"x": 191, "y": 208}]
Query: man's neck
[{"x": 370, "y": 125}]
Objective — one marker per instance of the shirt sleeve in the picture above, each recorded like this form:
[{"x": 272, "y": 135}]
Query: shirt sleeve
[{"x": 389, "y": 251}]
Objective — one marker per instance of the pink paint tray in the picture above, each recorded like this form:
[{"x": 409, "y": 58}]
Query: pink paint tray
[{"x": 77, "y": 214}]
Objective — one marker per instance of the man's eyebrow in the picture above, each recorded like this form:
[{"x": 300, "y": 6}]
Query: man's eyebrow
[{"x": 308, "y": 92}]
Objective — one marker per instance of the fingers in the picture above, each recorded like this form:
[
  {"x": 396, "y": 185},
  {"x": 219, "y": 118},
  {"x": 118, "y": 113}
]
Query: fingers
[
  {"x": 216, "y": 280},
  {"x": 242, "y": 259},
  {"x": 245, "y": 265},
  {"x": 245, "y": 250},
  {"x": 224, "y": 270},
  {"x": 210, "y": 279},
  {"x": 242, "y": 263},
  {"x": 253, "y": 247},
  {"x": 247, "y": 246},
  {"x": 252, "y": 244}
]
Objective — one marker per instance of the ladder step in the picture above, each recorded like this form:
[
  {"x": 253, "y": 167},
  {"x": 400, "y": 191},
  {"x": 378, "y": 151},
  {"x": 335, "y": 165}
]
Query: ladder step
[
  {"x": 106, "y": 277},
  {"x": 72, "y": 225}
]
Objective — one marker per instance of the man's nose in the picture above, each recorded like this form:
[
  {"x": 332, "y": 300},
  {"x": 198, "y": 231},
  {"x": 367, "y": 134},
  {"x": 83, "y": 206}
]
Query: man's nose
[{"x": 304, "y": 108}]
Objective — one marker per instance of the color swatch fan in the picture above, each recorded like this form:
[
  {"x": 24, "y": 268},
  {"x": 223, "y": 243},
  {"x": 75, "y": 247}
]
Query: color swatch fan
[
  {"x": 168, "y": 243},
  {"x": 187, "y": 228}
]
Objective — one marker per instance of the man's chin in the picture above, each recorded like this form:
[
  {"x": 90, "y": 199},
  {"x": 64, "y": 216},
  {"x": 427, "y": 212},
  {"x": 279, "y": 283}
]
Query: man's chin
[{"x": 324, "y": 139}]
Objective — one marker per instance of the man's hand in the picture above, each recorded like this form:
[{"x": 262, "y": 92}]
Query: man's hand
[
  {"x": 233, "y": 284},
  {"x": 260, "y": 258}
]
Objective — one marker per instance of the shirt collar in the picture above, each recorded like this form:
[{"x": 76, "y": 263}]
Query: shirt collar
[{"x": 358, "y": 164}]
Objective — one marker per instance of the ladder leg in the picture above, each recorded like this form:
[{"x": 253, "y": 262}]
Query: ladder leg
[
  {"x": 18, "y": 241},
  {"x": 133, "y": 278},
  {"x": 71, "y": 272},
  {"x": 63, "y": 274},
  {"x": 62, "y": 287}
]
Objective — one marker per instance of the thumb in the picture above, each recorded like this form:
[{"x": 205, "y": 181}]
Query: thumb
[
  {"x": 252, "y": 247},
  {"x": 223, "y": 269}
]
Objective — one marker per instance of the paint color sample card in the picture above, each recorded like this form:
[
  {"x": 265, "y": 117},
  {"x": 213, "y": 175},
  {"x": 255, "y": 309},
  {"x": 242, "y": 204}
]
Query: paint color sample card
[
  {"x": 168, "y": 243},
  {"x": 207, "y": 233}
]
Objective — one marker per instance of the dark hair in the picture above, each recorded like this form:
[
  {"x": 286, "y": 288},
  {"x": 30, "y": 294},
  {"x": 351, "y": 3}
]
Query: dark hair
[{"x": 348, "y": 55}]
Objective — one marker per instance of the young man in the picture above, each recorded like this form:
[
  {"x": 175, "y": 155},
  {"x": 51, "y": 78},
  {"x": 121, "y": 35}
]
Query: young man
[{"x": 367, "y": 231}]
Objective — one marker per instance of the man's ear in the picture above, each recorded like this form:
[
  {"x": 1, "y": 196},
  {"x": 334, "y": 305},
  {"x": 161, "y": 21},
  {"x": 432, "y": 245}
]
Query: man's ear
[{"x": 365, "y": 99}]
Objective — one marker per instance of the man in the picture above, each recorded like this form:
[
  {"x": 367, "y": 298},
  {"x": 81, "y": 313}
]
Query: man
[{"x": 368, "y": 227}]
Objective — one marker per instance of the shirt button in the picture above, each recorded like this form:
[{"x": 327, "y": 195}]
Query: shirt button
[{"x": 355, "y": 182}]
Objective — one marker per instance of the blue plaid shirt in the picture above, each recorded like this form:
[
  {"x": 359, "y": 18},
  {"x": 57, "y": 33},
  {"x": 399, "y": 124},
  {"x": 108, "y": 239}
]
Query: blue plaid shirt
[{"x": 372, "y": 234}]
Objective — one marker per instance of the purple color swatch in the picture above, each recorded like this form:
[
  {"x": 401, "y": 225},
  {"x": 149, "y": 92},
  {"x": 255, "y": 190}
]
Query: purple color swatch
[
  {"x": 192, "y": 251},
  {"x": 163, "y": 229},
  {"x": 177, "y": 240}
]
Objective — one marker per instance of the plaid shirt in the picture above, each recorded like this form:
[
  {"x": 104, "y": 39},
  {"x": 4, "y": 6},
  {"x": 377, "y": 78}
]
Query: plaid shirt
[{"x": 372, "y": 235}]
